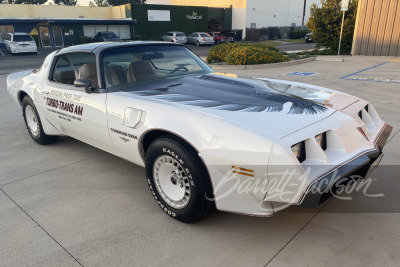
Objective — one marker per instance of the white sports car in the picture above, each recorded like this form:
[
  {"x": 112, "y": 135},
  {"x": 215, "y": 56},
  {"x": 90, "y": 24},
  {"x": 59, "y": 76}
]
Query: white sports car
[{"x": 249, "y": 146}]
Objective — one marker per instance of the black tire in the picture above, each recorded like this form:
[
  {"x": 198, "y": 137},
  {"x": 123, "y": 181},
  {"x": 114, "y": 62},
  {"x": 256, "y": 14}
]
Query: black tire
[
  {"x": 37, "y": 135},
  {"x": 192, "y": 171},
  {"x": 217, "y": 42},
  {"x": 198, "y": 43}
]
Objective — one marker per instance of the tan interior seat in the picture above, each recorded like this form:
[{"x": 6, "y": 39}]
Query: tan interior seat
[
  {"x": 141, "y": 70},
  {"x": 89, "y": 71},
  {"x": 120, "y": 71},
  {"x": 64, "y": 76},
  {"x": 111, "y": 76}
]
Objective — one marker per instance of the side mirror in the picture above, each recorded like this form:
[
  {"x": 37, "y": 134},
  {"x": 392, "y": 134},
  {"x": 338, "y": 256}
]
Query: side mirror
[{"x": 83, "y": 83}]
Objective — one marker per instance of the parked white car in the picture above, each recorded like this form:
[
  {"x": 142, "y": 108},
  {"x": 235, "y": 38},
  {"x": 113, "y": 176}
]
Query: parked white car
[
  {"x": 200, "y": 38},
  {"x": 243, "y": 145},
  {"x": 175, "y": 37},
  {"x": 19, "y": 42}
]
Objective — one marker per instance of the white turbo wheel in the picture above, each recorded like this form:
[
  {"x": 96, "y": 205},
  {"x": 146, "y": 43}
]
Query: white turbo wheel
[{"x": 171, "y": 181}]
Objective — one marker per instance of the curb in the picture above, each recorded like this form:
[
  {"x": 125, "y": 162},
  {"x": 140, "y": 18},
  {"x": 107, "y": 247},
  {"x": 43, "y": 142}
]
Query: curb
[
  {"x": 329, "y": 58},
  {"x": 261, "y": 66}
]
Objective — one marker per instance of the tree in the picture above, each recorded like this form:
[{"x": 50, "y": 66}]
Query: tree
[
  {"x": 65, "y": 2},
  {"x": 325, "y": 23},
  {"x": 31, "y": 2},
  {"x": 123, "y": 2},
  {"x": 101, "y": 2}
]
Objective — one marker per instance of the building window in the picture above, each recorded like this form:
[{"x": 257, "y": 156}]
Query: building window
[
  {"x": 4, "y": 29},
  {"x": 123, "y": 31}
]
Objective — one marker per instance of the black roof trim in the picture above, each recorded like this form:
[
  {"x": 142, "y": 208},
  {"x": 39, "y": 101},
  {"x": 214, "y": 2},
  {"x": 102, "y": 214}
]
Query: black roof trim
[
  {"x": 69, "y": 21},
  {"x": 94, "y": 47}
]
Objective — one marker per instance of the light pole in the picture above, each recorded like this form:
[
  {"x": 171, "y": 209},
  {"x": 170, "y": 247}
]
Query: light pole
[
  {"x": 304, "y": 14},
  {"x": 344, "y": 8}
]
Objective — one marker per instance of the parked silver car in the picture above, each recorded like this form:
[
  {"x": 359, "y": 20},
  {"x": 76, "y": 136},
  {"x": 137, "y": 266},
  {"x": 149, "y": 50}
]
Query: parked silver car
[
  {"x": 176, "y": 37},
  {"x": 200, "y": 38},
  {"x": 106, "y": 37}
]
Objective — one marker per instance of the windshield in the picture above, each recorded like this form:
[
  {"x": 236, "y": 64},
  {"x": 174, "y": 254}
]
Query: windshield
[
  {"x": 180, "y": 34},
  {"x": 109, "y": 35},
  {"x": 204, "y": 35},
  {"x": 126, "y": 66},
  {"x": 22, "y": 38}
]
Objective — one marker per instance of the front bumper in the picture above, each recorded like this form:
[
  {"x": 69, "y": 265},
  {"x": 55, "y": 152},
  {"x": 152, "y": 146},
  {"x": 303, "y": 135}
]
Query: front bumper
[{"x": 359, "y": 168}]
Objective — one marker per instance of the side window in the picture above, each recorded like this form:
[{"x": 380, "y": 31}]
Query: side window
[
  {"x": 169, "y": 34},
  {"x": 74, "y": 66}
]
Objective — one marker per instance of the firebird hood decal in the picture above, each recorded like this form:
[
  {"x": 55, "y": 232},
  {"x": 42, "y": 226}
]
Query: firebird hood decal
[{"x": 232, "y": 94}]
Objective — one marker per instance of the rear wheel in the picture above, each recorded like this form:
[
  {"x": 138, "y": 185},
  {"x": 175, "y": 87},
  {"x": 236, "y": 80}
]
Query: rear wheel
[
  {"x": 178, "y": 179},
  {"x": 198, "y": 43},
  {"x": 33, "y": 123}
]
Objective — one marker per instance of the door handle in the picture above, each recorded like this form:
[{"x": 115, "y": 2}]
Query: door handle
[{"x": 45, "y": 92}]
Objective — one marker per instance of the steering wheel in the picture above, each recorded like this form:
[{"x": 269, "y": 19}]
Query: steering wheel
[{"x": 180, "y": 68}]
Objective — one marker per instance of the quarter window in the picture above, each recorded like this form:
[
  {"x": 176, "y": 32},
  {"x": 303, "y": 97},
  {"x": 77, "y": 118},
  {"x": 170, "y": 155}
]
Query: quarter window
[{"x": 70, "y": 67}]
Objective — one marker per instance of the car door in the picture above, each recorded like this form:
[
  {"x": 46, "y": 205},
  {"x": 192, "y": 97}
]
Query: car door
[
  {"x": 7, "y": 42},
  {"x": 190, "y": 38},
  {"x": 71, "y": 109},
  {"x": 170, "y": 36}
]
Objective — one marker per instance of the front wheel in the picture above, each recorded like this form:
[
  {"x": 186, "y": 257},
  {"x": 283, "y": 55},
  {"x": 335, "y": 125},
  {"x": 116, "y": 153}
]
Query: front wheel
[
  {"x": 33, "y": 123},
  {"x": 178, "y": 179}
]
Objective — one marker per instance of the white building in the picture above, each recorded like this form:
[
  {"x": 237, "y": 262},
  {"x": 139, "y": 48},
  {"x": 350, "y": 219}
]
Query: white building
[
  {"x": 266, "y": 13},
  {"x": 255, "y": 13}
]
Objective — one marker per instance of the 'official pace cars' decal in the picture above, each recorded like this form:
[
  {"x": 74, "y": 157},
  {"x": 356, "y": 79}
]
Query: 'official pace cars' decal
[{"x": 235, "y": 97}]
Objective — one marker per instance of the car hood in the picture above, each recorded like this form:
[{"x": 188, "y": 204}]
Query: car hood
[{"x": 276, "y": 108}]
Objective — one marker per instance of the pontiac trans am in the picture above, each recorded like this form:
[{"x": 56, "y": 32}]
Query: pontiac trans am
[{"x": 207, "y": 140}]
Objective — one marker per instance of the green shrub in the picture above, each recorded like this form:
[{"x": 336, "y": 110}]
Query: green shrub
[
  {"x": 251, "y": 55},
  {"x": 138, "y": 37},
  {"x": 325, "y": 23},
  {"x": 269, "y": 47},
  {"x": 298, "y": 34},
  {"x": 83, "y": 39},
  {"x": 313, "y": 53},
  {"x": 220, "y": 52}
]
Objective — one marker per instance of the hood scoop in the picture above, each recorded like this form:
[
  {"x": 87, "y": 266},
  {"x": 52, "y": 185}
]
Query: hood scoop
[{"x": 215, "y": 78}]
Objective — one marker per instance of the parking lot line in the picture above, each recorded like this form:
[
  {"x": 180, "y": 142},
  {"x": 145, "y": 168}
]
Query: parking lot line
[
  {"x": 344, "y": 77},
  {"x": 389, "y": 73},
  {"x": 2, "y": 53}
]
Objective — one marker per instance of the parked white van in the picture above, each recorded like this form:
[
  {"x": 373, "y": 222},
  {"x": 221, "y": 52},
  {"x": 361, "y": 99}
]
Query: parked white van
[{"x": 19, "y": 42}]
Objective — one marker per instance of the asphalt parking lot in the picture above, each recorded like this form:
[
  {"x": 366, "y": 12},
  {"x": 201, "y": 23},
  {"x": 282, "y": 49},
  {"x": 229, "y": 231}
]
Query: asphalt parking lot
[{"x": 70, "y": 204}]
